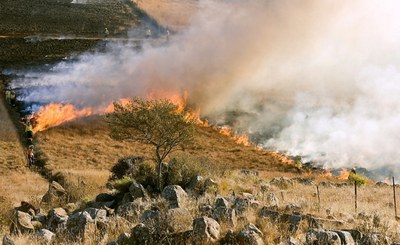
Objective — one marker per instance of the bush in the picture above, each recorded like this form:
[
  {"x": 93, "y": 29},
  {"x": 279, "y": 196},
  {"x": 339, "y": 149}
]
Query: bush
[
  {"x": 125, "y": 166},
  {"x": 359, "y": 179},
  {"x": 145, "y": 174},
  {"x": 123, "y": 184},
  {"x": 182, "y": 168}
]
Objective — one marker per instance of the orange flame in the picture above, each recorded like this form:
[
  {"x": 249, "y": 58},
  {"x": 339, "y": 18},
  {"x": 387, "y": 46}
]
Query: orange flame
[
  {"x": 344, "y": 174},
  {"x": 240, "y": 139},
  {"x": 54, "y": 114}
]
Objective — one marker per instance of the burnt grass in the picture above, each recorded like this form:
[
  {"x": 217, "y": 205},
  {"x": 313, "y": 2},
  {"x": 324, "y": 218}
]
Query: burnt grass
[{"x": 33, "y": 32}]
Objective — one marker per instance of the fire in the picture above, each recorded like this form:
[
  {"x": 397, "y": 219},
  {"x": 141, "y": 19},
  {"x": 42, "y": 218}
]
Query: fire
[
  {"x": 54, "y": 114},
  {"x": 344, "y": 174},
  {"x": 241, "y": 139}
]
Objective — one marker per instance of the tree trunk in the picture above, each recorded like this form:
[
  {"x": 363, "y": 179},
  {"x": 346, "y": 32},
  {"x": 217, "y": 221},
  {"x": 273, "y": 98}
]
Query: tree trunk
[{"x": 159, "y": 175}]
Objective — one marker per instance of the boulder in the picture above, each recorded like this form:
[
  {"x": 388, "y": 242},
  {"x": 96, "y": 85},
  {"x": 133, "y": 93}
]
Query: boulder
[
  {"x": 272, "y": 201},
  {"x": 225, "y": 215},
  {"x": 137, "y": 191},
  {"x": 374, "y": 239},
  {"x": 79, "y": 224},
  {"x": 322, "y": 237},
  {"x": 104, "y": 197},
  {"x": 248, "y": 172},
  {"x": 46, "y": 236},
  {"x": 250, "y": 235},
  {"x": 229, "y": 238},
  {"x": 55, "y": 193},
  {"x": 293, "y": 208},
  {"x": 70, "y": 207},
  {"x": 196, "y": 185},
  {"x": 175, "y": 196},
  {"x": 293, "y": 241},
  {"x": 27, "y": 208},
  {"x": 205, "y": 210},
  {"x": 132, "y": 210},
  {"x": 140, "y": 234},
  {"x": 179, "y": 220},
  {"x": 7, "y": 240},
  {"x": 357, "y": 235},
  {"x": 57, "y": 219},
  {"x": 282, "y": 182},
  {"x": 345, "y": 237},
  {"x": 123, "y": 239},
  {"x": 206, "y": 230},
  {"x": 22, "y": 223},
  {"x": 221, "y": 202}
]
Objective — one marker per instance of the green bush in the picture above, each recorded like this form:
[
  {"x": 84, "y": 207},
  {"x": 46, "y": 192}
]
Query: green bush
[
  {"x": 123, "y": 184},
  {"x": 182, "y": 168},
  {"x": 359, "y": 179}
]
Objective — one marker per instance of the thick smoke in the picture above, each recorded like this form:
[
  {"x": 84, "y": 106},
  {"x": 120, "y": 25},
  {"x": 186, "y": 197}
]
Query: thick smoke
[{"x": 316, "y": 78}]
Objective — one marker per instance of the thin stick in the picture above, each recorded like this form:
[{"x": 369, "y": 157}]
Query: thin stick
[
  {"x": 283, "y": 198},
  {"x": 355, "y": 195},
  {"x": 319, "y": 199},
  {"x": 394, "y": 198}
]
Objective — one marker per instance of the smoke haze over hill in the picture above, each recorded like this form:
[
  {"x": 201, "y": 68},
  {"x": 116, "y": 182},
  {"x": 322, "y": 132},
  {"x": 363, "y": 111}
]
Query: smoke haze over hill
[{"x": 320, "y": 78}]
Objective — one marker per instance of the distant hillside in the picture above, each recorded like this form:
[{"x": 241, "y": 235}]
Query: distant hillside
[{"x": 22, "y": 17}]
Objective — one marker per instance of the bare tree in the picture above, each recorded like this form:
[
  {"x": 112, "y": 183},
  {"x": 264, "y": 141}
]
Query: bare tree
[{"x": 154, "y": 122}]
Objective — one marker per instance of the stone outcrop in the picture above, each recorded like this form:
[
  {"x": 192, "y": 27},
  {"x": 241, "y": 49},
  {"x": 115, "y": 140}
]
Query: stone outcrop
[
  {"x": 55, "y": 193},
  {"x": 250, "y": 235},
  {"x": 175, "y": 196},
  {"x": 206, "y": 230}
]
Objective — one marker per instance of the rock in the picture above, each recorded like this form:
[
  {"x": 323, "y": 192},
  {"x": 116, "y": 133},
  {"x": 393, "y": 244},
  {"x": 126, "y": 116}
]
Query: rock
[
  {"x": 265, "y": 187},
  {"x": 79, "y": 224},
  {"x": 281, "y": 182},
  {"x": 152, "y": 219},
  {"x": 137, "y": 191},
  {"x": 381, "y": 184},
  {"x": 7, "y": 240},
  {"x": 304, "y": 181},
  {"x": 70, "y": 207},
  {"x": 357, "y": 235},
  {"x": 206, "y": 230},
  {"x": 27, "y": 208},
  {"x": 132, "y": 210},
  {"x": 104, "y": 197},
  {"x": 322, "y": 237},
  {"x": 123, "y": 239},
  {"x": 210, "y": 184},
  {"x": 229, "y": 238},
  {"x": 221, "y": 202},
  {"x": 104, "y": 205},
  {"x": 345, "y": 237},
  {"x": 293, "y": 241},
  {"x": 206, "y": 210},
  {"x": 57, "y": 219},
  {"x": 98, "y": 215},
  {"x": 250, "y": 235},
  {"x": 272, "y": 201},
  {"x": 55, "y": 193},
  {"x": 179, "y": 220},
  {"x": 175, "y": 196},
  {"x": 319, "y": 223},
  {"x": 291, "y": 221},
  {"x": 243, "y": 204},
  {"x": 248, "y": 172},
  {"x": 46, "y": 236},
  {"x": 293, "y": 208},
  {"x": 37, "y": 225},
  {"x": 196, "y": 185},
  {"x": 140, "y": 234},
  {"x": 374, "y": 239},
  {"x": 225, "y": 215},
  {"x": 41, "y": 218},
  {"x": 22, "y": 223}
]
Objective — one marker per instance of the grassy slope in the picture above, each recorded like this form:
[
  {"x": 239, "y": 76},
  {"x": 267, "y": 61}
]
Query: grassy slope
[{"x": 17, "y": 183}]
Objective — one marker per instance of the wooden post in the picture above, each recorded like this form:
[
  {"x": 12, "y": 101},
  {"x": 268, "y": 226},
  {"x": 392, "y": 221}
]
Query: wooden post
[
  {"x": 319, "y": 199},
  {"x": 283, "y": 197},
  {"x": 355, "y": 195},
  {"x": 394, "y": 198}
]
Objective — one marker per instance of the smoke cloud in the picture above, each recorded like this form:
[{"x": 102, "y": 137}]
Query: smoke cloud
[{"x": 315, "y": 78}]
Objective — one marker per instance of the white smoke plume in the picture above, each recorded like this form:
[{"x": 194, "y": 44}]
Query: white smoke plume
[{"x": 316, "y": 78}]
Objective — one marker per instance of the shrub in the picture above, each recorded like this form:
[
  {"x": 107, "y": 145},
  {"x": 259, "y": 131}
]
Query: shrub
[
  {"x": 182, "y": 168},
  {"x": 123, "y": 184},
  {"x": 359, "y": 179},
  {"x": 125, "y": 166}
]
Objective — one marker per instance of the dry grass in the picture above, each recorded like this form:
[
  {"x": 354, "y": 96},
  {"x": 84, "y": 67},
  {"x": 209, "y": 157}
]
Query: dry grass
[
  {"x": 17, "y": 183},
  {"x": 176, "y": 14}
]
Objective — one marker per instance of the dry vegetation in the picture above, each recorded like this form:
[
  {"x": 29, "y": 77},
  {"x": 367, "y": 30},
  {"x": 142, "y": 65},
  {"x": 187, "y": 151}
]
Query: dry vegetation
[{"x": 17, "y": 183}]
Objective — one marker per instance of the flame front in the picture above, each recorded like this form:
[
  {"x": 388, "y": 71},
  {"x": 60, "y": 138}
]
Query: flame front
[
  {"x": 54, "y": 114},
  {"x": 344, "y": 174}
]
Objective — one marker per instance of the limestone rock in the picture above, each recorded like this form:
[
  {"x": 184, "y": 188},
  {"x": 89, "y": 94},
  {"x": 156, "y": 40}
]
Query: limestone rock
[
  {"x": 221, "y": 202},
  {"x": 7, "y": 240},
  {"x": 319, "y": 237},
  {"x": 179, "y": 220},
  {"x": 206, "y": 230},
  {"x": 250, "y": 235},
  {"x": 175, "y": 196},
  {"x": 137, "y": 191},
  {"x": 55, "y": 193},
  {"x": 46, "y": 236},
  {"x": 22, "y": 223},
  {"x": 57, "y": 219},
  {"x": 140, "y": 234},
  {"x": 225, "y": 215}
]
